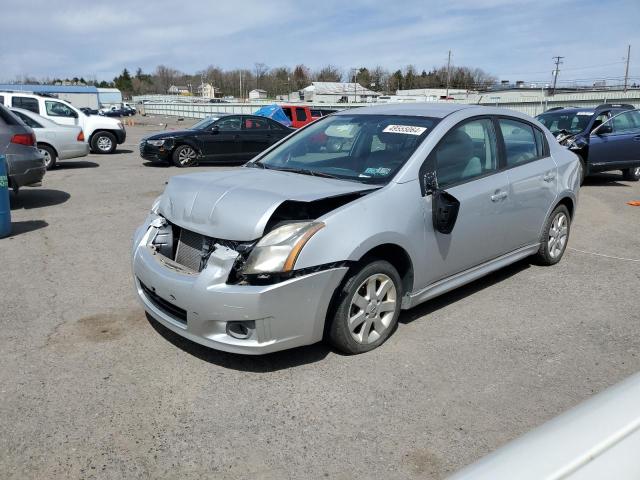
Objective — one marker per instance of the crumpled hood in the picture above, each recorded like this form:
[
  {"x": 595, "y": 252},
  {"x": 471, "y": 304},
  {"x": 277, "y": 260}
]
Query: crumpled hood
[{"x": 237, "y": 204}]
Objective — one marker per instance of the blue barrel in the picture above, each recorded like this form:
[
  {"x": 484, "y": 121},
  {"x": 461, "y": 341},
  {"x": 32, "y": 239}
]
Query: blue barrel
[{"x": 5, "y": 208}]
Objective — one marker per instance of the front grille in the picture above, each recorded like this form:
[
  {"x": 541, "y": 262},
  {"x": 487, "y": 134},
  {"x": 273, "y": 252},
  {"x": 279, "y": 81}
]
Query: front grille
[
  {"x": 161, "y": 304},
  {"x": 189, "y": 251}
]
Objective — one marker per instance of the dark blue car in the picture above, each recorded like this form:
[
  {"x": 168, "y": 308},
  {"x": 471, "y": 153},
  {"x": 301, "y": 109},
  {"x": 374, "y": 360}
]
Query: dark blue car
[{"x": 605, "y": 138}]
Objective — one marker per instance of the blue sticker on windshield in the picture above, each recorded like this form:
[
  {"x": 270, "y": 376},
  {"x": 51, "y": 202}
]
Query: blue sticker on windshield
[{"x": 382, "y": 171}]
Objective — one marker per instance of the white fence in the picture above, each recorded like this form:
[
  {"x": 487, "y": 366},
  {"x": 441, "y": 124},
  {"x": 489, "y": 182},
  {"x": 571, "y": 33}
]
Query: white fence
[{"x": 528, "y": 102}]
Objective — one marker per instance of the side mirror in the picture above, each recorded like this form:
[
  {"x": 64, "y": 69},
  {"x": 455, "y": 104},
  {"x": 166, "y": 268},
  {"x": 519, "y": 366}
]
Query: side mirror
[
  {"x": 444, "y": 211},
  {"x": 215, "y": 129},
  {"x": 603, "y": 129}
]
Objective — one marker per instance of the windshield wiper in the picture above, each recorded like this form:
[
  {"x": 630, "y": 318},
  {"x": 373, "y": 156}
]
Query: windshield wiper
[{"x": 304, "y": 171}]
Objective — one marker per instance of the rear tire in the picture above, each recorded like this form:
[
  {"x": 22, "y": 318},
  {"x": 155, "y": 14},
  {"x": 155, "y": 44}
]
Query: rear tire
[
  {"x": 583, "y": 170},
  {"x": 367, "y": 308},
  {"x": 555, "y": 236},
  {"x": 185, "y": 156},
  {"x": 103, "y": 142},
  {"x": 50, "y": 156},
  {"x": 631, "y": 174}
]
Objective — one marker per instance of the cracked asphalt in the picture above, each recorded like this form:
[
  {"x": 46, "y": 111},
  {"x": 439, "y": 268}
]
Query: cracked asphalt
[{"x": 91, "y": 388}]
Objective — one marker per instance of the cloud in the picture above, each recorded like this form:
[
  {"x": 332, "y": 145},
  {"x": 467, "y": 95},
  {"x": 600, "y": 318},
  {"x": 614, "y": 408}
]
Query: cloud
[{"x": 511, "y": 40}]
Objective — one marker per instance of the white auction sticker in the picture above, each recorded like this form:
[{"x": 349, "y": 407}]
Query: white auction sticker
[
  {"x": 406, "y": 129},
  {"x": 585, "y": 113}
]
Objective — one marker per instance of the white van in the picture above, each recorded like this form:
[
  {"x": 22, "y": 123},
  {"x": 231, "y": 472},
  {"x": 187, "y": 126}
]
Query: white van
[{"x": 103, "y": 134}]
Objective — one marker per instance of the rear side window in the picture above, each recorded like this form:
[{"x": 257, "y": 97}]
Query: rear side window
[
  {"x": 253, "y": 124},
  {"x": 28, "y": 120},
  {"x": 301, "y": 114},
  {"x": 287, "y": 112},
  {"x": 26, "y": 103},
  {"x": 519, "y": 142}
]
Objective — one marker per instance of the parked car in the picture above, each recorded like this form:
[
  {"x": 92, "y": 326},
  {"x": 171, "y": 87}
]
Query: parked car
[
  {"x": 114, "y": 112},
  {"x": 221, "y": 137},
  {"x": 309, "y": 241},
  {"x": 301, "y": 115},
  {"x": 55, "y": 142},
  {"x": 605, "y": 138},
  {"x": 103, "y": 134},
  {"x": 25, "y": 163},
  {"x": 89, "y": 111}
]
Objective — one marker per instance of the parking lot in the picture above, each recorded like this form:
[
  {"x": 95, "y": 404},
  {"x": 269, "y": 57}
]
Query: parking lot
[{"x": 92, "y": 388}]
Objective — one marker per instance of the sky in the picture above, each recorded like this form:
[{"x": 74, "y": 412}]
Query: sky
[{"x": 512, "y": 40}]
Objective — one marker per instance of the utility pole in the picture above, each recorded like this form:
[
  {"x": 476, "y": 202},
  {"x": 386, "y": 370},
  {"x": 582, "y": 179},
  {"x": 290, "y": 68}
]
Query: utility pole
[
  {"x": 626, "y": 71},
  {"x": 448, "y": 75},
  {"x": 558, "y": 62}
]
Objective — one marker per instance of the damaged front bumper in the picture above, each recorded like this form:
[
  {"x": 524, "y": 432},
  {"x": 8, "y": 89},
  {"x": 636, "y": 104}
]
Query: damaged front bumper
[{"x": 202, "y": 306}]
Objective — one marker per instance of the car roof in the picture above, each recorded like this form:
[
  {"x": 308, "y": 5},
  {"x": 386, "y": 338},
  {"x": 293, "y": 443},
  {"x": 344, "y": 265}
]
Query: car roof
[{"x": 423, "y": 109}]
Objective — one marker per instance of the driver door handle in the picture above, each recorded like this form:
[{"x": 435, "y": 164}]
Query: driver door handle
[
  {"x": 496, "y": 197},
  {"x": 548, "y": 177}
]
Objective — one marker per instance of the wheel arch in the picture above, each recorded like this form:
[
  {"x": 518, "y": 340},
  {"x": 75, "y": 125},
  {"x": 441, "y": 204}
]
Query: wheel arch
[
  {"x": 396, "y": 256},
  {"x": 50, "y": 146}
]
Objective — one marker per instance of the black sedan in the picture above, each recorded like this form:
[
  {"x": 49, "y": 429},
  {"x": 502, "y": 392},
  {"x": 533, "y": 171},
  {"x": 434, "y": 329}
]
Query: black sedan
[{"x": 221, "y": 137}]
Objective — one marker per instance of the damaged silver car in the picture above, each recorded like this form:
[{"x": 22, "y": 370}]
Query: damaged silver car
[{"x": 331, "y": 232}]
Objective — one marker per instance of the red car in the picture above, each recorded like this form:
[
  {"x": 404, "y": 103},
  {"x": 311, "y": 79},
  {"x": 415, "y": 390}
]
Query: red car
[{"x": 301, "y": 115}]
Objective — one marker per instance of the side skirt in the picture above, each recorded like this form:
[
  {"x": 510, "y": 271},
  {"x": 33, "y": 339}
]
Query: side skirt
[{"x": 459, "y": 279}]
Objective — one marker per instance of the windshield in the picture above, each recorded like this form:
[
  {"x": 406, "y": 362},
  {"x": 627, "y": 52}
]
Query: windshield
[
  {"x": 362, "y": 148},
  {"x": 204, "y": 123},
  {"x": 572, "y": 122}
]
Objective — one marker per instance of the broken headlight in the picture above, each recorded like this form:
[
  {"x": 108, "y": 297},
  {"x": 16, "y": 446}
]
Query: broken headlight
[{"x": 278, "y": 250}]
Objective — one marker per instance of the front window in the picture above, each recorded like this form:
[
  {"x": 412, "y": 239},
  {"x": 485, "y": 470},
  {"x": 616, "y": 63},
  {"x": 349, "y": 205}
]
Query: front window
[
  {"x": 57, "y": 109},
  {"x": 203, "y": 124},
  {"x": 362, "y": 148},
  {"x": 560, "y": 121}
]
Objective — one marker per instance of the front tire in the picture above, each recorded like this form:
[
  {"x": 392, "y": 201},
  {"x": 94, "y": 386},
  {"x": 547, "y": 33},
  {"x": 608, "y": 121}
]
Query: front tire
[
  {"x": 50, "y": 156},
  {"x": 185, "y": 156},
  {"x": 367, "y": 308},
  {"x": 103, "y": 143},
  {"x": 555, "y": 236},
  {"x": 631, "y": 174}
]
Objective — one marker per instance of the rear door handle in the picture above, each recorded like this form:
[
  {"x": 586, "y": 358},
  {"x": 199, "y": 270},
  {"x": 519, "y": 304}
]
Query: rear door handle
[
  {"x": 496, "y": 197},
  {"x": 548, "y": 177}
]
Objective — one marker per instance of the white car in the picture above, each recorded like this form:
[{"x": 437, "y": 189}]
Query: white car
[
  {"x": 55, "y": 142},
  {"x": 103, "y": 134}
]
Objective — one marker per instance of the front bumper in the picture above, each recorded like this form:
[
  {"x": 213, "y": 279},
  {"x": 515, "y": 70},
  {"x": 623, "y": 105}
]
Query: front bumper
[
  {"x": 121, "y": 136},
  {"x": 155, "y": 154},
  {"x": 198, "y": 306},
  {"x": 26, "y": 169}
]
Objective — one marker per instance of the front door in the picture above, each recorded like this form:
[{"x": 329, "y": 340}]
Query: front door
[
  {"x": 221, "y": 141},
  {"x": 466, "y": 166},
  {"x": 620, "y": 146},
  {"x": 60, "y": 113}
]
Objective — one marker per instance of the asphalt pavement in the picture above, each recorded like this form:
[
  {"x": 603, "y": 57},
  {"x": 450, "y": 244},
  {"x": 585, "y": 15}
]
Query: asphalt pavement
[{"x": 92, "y": 388}]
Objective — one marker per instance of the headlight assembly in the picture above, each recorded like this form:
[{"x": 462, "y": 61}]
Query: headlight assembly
[
  {"x": 278, "y": 250},
  {"x": 156, "y": 143}
]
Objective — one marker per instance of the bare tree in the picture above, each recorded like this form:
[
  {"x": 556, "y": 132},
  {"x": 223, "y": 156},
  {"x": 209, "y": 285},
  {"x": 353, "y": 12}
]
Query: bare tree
[
  {"x": 328, "y": 73},
  {"x": 260, "y": 69}
]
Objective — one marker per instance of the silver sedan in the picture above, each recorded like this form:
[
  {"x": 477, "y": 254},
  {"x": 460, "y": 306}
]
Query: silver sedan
[
  {"x": 55, "y": 142},
  {"x": 331, "y": 232}
]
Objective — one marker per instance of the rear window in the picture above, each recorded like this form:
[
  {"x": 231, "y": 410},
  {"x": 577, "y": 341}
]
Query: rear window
[
  {"x": 27, "y": 103},
  {"x": 519, "y": 141},
  {"x": 28, "y": 120},
  {"x": 301, "y": 114}
]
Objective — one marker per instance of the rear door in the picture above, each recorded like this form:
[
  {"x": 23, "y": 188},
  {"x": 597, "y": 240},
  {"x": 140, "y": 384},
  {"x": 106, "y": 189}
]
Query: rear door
[
  {"x": 533, "y": 180},
  {"x": 466, "y": 164},
  {"x": 255, "y": 136}
]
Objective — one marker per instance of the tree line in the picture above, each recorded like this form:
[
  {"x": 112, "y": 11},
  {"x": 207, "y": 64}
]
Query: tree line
[{"x": 282, "y": 80}]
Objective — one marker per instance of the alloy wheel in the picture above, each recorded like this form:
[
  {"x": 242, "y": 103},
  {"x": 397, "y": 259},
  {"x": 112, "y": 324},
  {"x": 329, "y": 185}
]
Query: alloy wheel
[
  {"x": 105, "y": 144},
  {"x": 558, "y": 235},
  {"x": 47, "y": 157},
  {"x": 186, "y": 156},
  {"x": 372, "y": 308}
]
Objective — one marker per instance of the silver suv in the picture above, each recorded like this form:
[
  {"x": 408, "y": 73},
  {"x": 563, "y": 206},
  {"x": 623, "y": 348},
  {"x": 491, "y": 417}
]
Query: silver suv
[{"x": 335, "y": 229}]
